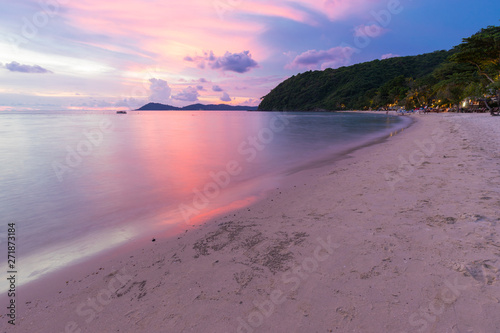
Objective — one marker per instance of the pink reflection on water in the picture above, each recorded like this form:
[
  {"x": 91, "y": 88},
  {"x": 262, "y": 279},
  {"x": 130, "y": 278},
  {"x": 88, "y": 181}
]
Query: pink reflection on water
[{"x": 174, "y": 155}]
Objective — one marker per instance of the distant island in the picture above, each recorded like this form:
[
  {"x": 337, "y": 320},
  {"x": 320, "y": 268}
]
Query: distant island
[{"x": 196, "y": 107}]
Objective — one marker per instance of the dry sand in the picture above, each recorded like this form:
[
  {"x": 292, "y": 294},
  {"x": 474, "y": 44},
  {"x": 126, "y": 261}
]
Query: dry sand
[{"x": 370, "y": 243}]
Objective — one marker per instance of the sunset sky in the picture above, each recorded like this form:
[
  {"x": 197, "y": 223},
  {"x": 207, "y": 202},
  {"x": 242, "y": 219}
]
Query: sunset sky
[{"x": 89, "y": 54}]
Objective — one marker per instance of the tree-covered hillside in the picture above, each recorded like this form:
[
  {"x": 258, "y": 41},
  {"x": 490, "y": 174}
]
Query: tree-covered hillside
[
  {"x": 370, "y": 84},
  {"x": 438, "y": 78}
]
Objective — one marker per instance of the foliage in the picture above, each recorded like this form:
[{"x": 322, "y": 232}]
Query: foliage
[
  {"x": 438, "y": 78},
  {"x": 371, "y": 84},
  {"x": 482, "y": 50}
]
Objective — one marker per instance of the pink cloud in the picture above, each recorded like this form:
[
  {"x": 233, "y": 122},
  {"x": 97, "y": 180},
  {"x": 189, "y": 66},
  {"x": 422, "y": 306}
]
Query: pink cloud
[
  {"x": 276, "y": 9},
  {"x": 341, "y": 9},
  {"x": 134, "y": 35},
  {"x": 171, "y": 30},
  {"x": 251, "y": 102},
  {"x": 389, "y": 55},
  {"x": 333, "y": 9}
]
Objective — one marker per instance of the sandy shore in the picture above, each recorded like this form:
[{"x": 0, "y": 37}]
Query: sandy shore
[{"x": 401, "y": 236}]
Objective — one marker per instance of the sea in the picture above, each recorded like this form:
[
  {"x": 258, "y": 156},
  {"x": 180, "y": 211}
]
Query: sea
[{"x": 75, "y": 184}]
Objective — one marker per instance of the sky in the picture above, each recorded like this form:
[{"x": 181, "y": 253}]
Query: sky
[{"x": 95, "y": 54}]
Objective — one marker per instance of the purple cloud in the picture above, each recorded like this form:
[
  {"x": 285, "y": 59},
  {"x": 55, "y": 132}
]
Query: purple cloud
[
  {"x": 217, "y": 88},
  {"x": 225, "y": 97},
  {"x": 200, "y": 88},
  {"x": 210, "y": 56},
  {"x": 159, "y": 91},
  {"x": 332, "y": 58},
  {"x": 188, "y": 94},
  {"x": 234, "y": 62},
  {"x": 17, "y": 67}
]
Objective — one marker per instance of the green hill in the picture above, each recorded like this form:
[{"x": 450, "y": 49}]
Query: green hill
[{"x": 370, "y": 84}]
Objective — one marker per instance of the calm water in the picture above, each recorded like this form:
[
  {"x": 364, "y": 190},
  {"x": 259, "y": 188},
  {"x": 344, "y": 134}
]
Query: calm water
[{"x": 79, "y": 183}]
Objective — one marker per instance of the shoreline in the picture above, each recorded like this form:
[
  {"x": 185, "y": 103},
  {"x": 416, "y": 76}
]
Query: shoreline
[
  {"x": 142, "y": 240},
  {"x": 361, "y": 245}
]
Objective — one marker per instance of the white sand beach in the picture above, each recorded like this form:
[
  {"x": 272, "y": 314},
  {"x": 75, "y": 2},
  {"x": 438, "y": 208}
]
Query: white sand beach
[{"x": 399, "y": 236}]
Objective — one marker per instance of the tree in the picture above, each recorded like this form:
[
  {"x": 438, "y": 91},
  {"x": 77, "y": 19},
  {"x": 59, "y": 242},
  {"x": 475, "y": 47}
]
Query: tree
[
  {"x": 482, "y": 50},
  {"x": 452, "y": 80}
]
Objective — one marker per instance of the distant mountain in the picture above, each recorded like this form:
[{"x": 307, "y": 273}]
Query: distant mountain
[
  {"x": 157, "y": 106},
  {"x": 219, "y": 107},
  {"x": 196, "y": 107}
]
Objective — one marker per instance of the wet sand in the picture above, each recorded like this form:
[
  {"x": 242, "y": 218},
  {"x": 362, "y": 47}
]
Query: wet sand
[{"x": 401, "y": 236}]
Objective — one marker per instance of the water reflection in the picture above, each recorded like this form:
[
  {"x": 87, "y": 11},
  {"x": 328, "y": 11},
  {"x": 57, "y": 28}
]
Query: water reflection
[{"x": 138, "y": 175}]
